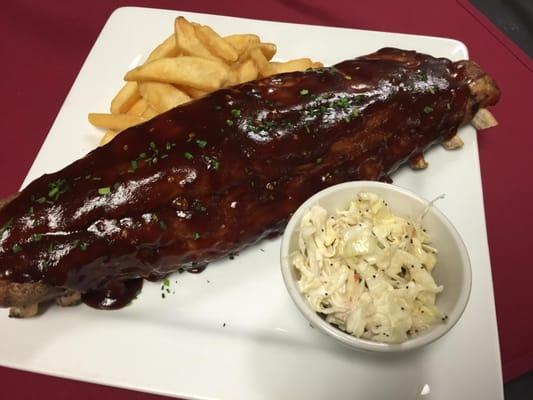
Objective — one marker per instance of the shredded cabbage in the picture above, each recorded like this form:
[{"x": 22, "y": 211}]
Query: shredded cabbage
[{"x": 368, "y": 271}]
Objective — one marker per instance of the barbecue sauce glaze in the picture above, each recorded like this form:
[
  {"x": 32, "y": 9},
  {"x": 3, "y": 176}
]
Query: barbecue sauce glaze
[{"x": 222, "y": 172}]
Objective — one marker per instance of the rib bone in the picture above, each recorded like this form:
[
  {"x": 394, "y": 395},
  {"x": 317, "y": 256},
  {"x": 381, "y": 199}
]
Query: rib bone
[
  {"x": 455, "y": 142},
  {"x": 483, "y": 119}
]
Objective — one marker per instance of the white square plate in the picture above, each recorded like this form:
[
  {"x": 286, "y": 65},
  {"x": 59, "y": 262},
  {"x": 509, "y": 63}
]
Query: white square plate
[{"x": 232, "y": 332}]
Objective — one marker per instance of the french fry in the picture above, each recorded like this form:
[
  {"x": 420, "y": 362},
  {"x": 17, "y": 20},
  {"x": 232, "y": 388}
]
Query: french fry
[
  {"x": 187, "y": 41},
  {"x": 189, "y": 64},
  {"x": 268, "y": 49},
  {"x": 108, "y": 136},
  {"x": 248, "y": 71},
  {"x": 244, "y": 72},
  {"x": 125, "y": 98},
  {"x": 299, "y": 64},
  {"x": 162, "y": 96},
  {"x": 138, "y": 108},
  {"x": 116, "y": 122},
  {"x": 216, "y": 44},
  {"x": 149, "y": 113},
  {"x": 196, "y": 72},
  {"x": 193, "y": 92},
  {"x": 242, "y": 42},
  {"x": 260, "y": 60},
  {"x": 166, "y": 49},
  {"x": 128, "y": 96}
]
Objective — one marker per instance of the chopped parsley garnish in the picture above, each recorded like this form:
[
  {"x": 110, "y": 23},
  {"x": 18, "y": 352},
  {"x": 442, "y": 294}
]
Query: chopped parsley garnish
[
  {"x": 264, "y": 126},
  {"x": 16, "y": 248},
  {"x": 428, "y": 109},
  {"x": 6, "y": 226},
  {"x": 229, "y": 122},
  {"x": 212, "y": 163},
  {"x": 153, "y": 146},
  {"x": 236, "y": 112},
  {"x": 198, "y": 206},
  {"x": 36, "y": 237},
  {"x": 342, "y": 102},
  {"x": 133, "y": 166},
  {"x": 431, "y": 90},
  {"x": 57, "y": 188},
  {"x": 196, "y": 236},
  {"x": 104, "y": 190},
  {"x": 53, "y": 192},
  {"x": 188, "y": 155},
  {"x": 83, "y": 246},
  {"x": 162, "y": 225},
  {"x": 359, "y": 99},
  {"x": 201, "y": 143},
  {"x": 41, "y": 200},
  {"x": 319, "y": 160},
  {"x": 142, "y": 155},
  {"x": 422, "y": 76},
  {"x": 304, "y": 92},
  {"x": 166, "y": 282}
]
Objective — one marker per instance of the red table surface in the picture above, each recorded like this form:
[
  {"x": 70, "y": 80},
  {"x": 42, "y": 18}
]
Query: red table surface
[{"x": 44, "y": 44}]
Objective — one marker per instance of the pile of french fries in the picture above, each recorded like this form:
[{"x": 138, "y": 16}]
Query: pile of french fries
[{"x": 189, "y": 64}]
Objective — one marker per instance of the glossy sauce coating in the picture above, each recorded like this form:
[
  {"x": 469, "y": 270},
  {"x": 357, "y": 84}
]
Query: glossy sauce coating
[{"x": 224, "y": 171}]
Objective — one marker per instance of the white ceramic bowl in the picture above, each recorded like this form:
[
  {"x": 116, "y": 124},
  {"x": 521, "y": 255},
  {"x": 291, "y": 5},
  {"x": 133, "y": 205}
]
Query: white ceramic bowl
[{"x": 452, "y": 269}]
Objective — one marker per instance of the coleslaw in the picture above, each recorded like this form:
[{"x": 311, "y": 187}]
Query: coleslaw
[{"x": 368, "y": 271}]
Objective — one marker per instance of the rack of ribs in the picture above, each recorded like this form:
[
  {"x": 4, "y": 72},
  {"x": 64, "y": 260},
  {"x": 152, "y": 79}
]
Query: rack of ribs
[{"x": 220, "y": 173}]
